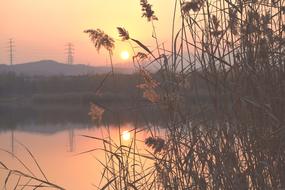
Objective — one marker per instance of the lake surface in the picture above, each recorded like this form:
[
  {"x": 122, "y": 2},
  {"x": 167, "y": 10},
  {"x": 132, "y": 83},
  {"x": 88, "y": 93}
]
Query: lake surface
[{"x": 55, "y": 142}]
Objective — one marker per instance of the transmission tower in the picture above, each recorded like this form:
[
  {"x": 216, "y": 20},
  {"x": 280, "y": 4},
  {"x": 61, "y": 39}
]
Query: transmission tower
[
  {"x": 11, "y": 51},
  {"x": 70, "y": 53}
]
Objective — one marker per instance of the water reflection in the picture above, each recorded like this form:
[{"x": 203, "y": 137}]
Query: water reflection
[
  {"x": 71, "y": 138},
  {"x": 12, "y": 142},
  {"x": 126, "y": 135},
  {"x": 53, "y": 119},
  {"x": 54, "y": 137},
  {"x": 56, "y": 154}
]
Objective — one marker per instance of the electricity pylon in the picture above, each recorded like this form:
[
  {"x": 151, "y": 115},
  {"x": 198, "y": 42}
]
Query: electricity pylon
[
  {"x": 11, "y": 51},
  {"x": 70, "y": 53}
]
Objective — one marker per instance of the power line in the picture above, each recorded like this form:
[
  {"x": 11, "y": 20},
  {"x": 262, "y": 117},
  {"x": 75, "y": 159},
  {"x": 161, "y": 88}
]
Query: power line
[{"x": 70, "y": 53}]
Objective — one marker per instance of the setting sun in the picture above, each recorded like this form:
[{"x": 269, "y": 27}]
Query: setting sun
[
  {"x": 125, "y": 55},
  {"x": 142, "y": 94},
  {"x": 126, "y": 135}
]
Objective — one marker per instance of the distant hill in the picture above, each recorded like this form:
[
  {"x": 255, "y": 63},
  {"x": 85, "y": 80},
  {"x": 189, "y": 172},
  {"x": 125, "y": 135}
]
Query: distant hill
[{"x": 51, "y": 68}]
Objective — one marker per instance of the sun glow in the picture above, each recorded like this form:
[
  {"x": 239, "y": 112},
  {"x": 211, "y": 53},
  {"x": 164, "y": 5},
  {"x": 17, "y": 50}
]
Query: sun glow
[
  {"x": 126, "y": 135},
  {"x": 125, "y": 55}
]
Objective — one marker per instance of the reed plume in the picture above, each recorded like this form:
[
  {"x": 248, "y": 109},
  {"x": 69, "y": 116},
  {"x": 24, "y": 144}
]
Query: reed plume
[
  {"x": 101, "y": 39},
  {"x": 147, "y": 10}
]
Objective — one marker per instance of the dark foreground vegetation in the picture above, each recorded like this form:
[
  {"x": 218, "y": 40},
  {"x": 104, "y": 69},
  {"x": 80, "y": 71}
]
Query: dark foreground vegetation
[{"x": 237, "y": 49}]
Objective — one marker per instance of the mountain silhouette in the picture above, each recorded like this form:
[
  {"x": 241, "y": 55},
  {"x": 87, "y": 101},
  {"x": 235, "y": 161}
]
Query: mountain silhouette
[{"x": 52, "y": 68}]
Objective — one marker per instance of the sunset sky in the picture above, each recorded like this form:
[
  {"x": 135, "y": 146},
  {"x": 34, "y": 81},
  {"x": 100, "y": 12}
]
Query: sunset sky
[{"x": 42, "y": 28}]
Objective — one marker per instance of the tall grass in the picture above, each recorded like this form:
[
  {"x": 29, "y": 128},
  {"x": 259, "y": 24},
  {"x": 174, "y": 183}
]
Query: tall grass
[
  {"x": 236, "y": 141},
  {"x": 26, "y": 179}
]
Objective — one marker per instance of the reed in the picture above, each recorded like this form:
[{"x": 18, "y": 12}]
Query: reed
[
  {"x": 17, "y": 179},
  {"x": 236, "y": 141}
]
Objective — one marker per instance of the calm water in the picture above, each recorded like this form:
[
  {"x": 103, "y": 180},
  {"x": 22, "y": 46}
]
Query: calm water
[{"x": 55, "y": 145}]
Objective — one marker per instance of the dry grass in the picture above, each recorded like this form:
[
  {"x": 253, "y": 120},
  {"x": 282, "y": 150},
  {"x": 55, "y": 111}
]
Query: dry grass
[
  {"x": 237, "y": 140},
  {"x": 16, "y": 179}
]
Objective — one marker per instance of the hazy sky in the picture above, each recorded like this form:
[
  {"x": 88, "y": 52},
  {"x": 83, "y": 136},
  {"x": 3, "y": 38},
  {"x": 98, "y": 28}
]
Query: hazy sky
[{"x": 42, "y": 28}]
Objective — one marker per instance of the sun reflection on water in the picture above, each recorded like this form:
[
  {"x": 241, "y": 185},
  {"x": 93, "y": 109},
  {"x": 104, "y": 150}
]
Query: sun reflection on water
[{"x": 126, "y": 135}]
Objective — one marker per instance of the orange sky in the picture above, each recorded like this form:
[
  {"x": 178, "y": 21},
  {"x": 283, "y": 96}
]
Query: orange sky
[{"x": 41, "y": 28}]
